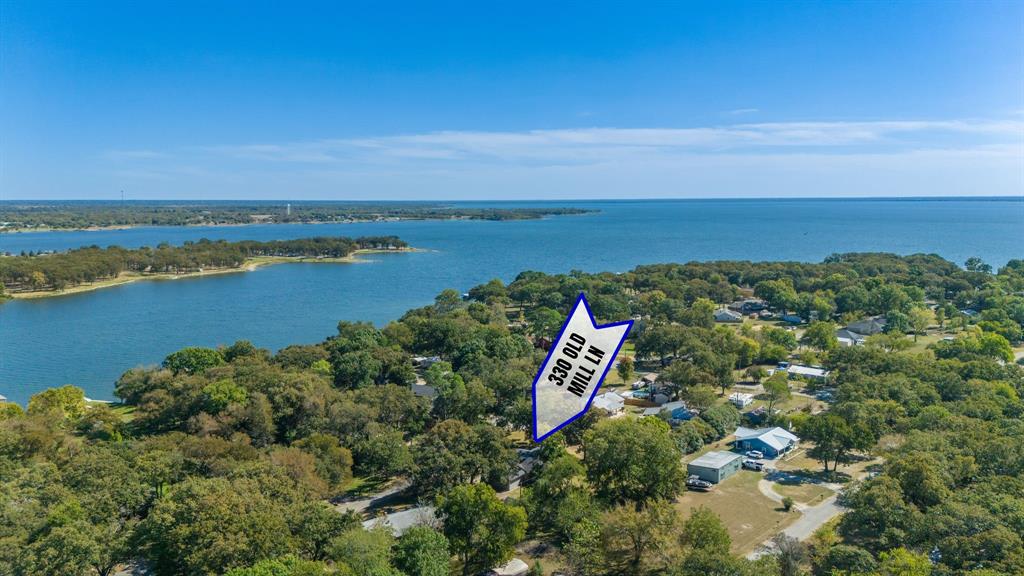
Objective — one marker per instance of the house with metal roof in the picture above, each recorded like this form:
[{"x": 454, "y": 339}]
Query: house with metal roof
[
  {"x": 868, "y": 326},
  {"x": 675, "y": 410},
  {"x": 848, "y": 337},
  {"x": 610, "y": 402},
  {"x": 715, "y": 466},
  {"x": 809, "y": 372},
  {"x": 725, "y": 315},
  {"x": 772, "y": 442}
]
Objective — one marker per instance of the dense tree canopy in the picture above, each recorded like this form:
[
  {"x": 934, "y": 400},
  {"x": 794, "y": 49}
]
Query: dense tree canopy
[{"x": 227, "y": 460}]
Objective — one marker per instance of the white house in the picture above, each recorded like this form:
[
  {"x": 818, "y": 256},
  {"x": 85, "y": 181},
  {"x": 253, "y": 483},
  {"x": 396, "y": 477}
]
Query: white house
[
  {"x": 725, "y": 315},
  {"x": 810, "y": 372},
  {"x": 740, "y": 399},
  {"x": 610, "y": 402}
]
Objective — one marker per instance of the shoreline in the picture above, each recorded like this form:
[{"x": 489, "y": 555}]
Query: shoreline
[
  {"x": 383, "y": 220},
  {"x": 249, "y": 265}
]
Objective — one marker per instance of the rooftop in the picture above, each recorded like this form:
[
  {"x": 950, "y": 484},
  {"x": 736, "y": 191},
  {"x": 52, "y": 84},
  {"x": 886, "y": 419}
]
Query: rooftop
[
  {"x": 807, "y": 371},
  {"x": 715, "y": 459},
  {"x": 778, "y": 438}
]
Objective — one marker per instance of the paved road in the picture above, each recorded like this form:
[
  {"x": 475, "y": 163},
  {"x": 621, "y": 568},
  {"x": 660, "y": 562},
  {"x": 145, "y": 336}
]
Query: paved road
[{"x": 811, "y": 517}]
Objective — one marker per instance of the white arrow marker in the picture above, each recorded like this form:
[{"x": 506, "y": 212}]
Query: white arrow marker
[{"x": 577, "y": 363}]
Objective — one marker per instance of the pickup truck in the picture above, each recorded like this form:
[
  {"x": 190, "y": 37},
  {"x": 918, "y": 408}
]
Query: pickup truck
[{"x": 753, "y": 465}]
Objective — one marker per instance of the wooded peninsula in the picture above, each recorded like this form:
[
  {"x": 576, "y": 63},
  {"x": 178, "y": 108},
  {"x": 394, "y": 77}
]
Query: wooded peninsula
[
  {"x": 33, "y": 274},
  {"x": 18, "y": 216}
]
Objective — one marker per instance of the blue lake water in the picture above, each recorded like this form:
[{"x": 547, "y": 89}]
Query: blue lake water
[{"x": 89, "y": 339}]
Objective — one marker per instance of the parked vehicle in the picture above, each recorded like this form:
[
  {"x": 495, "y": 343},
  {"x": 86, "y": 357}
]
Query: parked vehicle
[
  {"x": 695, "y": 483},
  {"x": 753, "y": 465},
  {"x": 755, "y": 454}
]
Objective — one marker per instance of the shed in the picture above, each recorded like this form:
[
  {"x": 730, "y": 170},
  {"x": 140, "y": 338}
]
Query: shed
[{"x": 715, "y": 466}]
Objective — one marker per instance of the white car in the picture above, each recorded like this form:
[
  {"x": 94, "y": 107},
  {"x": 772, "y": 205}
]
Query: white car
[{"x": 756, "y": 454}]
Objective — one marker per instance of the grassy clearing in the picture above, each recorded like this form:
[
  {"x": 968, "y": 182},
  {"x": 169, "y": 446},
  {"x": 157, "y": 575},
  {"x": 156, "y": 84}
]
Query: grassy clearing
[
  {"x": 750, "y": 517},
  {"x": 364, "y": 487},
  {"x": 799, "y": 463},
  {"x": 549, "y": 556},
  {"x": 804, "y": 492}
]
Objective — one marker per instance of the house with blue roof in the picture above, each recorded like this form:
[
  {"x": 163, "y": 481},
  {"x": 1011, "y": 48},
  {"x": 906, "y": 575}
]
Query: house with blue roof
[{"x": 772, "y": 442}]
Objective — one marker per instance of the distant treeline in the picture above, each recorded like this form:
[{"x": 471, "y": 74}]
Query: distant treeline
[
  {"x": 29, "y": 272},
  {"x": 14, "y": 216}
]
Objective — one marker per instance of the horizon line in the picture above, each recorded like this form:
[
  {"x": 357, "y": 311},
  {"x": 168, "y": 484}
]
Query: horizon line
[{"x": 439, "y": 200}]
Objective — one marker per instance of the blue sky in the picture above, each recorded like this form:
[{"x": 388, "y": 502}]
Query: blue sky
[{"x": 520, "y": 100}]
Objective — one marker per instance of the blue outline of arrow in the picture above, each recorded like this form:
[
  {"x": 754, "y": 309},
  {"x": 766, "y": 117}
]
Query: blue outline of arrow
[{"x": 593, "y": 322}]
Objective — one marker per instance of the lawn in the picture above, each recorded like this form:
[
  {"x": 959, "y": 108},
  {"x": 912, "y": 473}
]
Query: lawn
[
  {"x": 364, "y": 487},
  {"x": 798, "y": 462},
  {"x": 750, "y": 517},
  {"x": 804, "y": 492},
  {"x": 550, "y": 557}
]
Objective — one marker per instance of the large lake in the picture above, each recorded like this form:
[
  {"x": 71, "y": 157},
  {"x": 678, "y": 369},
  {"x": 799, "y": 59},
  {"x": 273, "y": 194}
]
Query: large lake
[{"x": 89, "y": 339}]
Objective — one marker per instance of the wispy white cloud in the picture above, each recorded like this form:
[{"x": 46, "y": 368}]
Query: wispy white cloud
[
  {"x": 892, "y": 157},
  {"x": 616, "y": 144},
  {"x": 742, "y": 111}
]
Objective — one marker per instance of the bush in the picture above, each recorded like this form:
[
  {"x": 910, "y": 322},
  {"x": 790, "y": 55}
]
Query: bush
[{"x": 787, "y": 503}]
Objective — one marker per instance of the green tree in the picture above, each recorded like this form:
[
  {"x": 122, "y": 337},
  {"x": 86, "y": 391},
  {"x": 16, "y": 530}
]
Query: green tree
[
  {"x": 544, "y": 321},
  {"x": 902, "y": 562},
  {"x": 422, "y": 551},
  {"x": 283, "y": 566},
  {"x": 641, "y": 539},
  {"x": 217, "y": 396},
  {"x": 68, "y": 402},
  {"x": 919, "y": 319},
  {"x": 833, "y": 438},
  {"x": 481, "y": 529},
  {"x": 333, "y": 461},
  {"x": 821, "y": 335},
  {"x": 584, "y": 551},
  {"x": 633, "y": 460},
  {"x": 193, "y": 360},
  {"x": 776, "y": 388},
  {"x": 704, "y": 530},
  {"x": 209, "y": 525},
  {"x": 365, "y": 552},
  {"x": 625, "y": 369}
]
